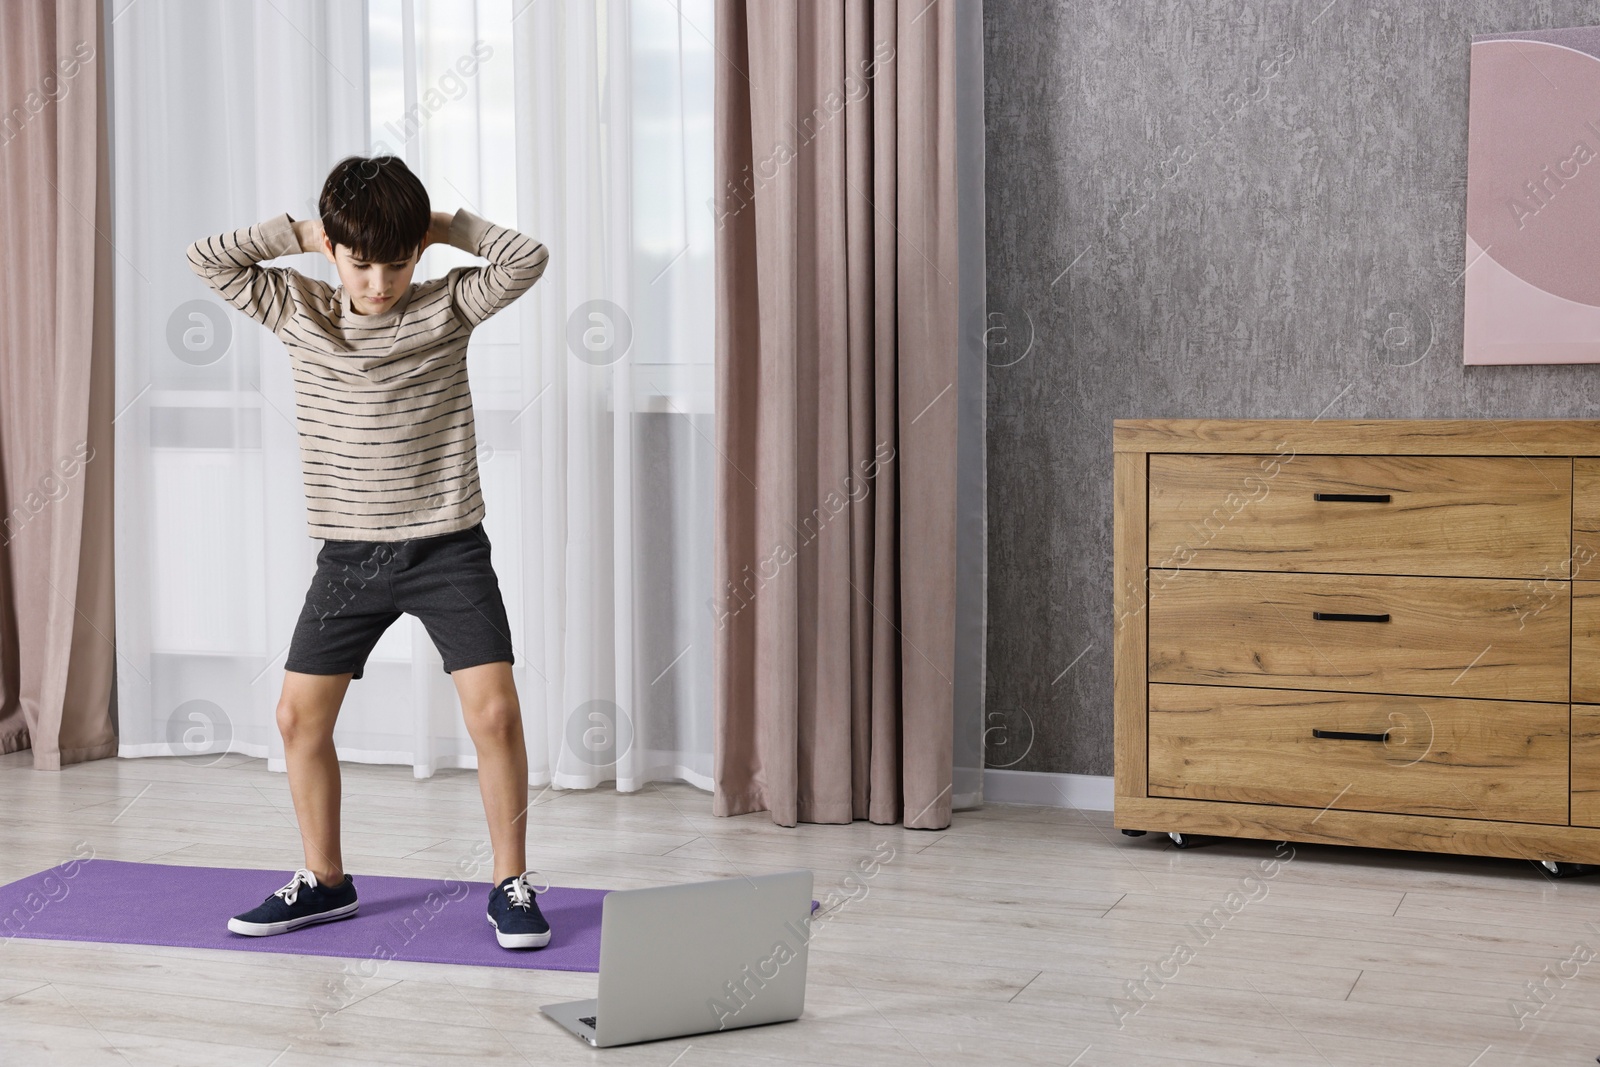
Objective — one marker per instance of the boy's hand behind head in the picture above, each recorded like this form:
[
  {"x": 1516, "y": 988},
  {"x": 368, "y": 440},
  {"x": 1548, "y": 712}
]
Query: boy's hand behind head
[
  {"x": 438, "y": 230},
  {"x": 313, "y": 238}
]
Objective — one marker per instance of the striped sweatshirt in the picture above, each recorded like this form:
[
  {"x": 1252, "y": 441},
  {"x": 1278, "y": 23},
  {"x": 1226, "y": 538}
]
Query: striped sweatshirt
[{"x": 387, "y": 446}]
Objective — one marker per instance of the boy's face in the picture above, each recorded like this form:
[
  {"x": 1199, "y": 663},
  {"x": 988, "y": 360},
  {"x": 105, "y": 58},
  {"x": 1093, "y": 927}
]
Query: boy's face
[{"x": 373, "y": 287}]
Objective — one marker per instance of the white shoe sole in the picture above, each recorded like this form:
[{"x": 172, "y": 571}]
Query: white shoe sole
[
  {"x": 519, "y": 940},
  {"x": 239, "y": 926}
]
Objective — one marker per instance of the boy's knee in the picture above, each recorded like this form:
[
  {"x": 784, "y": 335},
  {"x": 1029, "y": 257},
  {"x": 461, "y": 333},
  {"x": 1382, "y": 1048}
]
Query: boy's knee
[
  {"x": 298, "y": 723},
  {"x": 497, "y": 720},
  {"x": 290, "y": 722}
]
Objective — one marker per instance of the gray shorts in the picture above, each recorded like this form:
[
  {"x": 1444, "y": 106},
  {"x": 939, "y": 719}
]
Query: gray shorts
[{"x": 361, "y": 587}]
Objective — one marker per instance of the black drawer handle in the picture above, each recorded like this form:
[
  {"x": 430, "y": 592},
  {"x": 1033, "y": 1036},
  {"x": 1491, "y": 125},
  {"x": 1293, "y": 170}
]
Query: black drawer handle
[
  {"x": 1353, "y": 498},
  {"x": 1342, "y": 735},
  {"x": 1348, "y": 616}
]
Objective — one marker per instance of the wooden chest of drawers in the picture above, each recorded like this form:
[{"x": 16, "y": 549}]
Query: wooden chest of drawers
[{"x": 1379, "y": 633}]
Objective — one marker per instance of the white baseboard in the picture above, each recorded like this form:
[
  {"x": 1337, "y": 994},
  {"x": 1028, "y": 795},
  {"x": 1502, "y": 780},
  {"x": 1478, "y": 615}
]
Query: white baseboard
[{"x": 1091, "y": 792}]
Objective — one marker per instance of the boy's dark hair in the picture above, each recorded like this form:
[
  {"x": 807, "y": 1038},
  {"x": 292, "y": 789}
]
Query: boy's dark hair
[{"x": 376, "y": 207}]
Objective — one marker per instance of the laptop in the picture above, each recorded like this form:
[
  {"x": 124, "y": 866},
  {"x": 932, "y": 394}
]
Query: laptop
[{"x": 697, "y": 958}]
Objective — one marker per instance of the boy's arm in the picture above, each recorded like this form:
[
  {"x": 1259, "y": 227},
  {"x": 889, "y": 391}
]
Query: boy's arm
[
  {"x": 515, "y": 262},
  {"x": 227, "y": 263}
]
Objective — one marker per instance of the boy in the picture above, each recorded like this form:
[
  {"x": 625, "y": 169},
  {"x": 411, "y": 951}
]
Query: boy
[{"x": 388, "y": 458}]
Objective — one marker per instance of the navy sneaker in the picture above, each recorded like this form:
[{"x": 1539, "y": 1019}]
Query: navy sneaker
[
  {"x": 300, "y": 903},
  {"x": 514, "y": 913}
]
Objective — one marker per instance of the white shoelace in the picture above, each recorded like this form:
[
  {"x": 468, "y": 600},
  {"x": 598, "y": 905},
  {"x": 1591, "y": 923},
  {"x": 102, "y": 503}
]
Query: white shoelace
[
  {"x": 290, "y": 892},
  {"x": 522, "y": 890}
]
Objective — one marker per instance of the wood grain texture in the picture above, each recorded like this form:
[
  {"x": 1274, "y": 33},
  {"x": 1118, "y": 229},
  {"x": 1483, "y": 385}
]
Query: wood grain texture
[
  {"x": 1129, "y": 627},
  {"x": 1463, "y": 758},
  {"x": 1458, "y": 637},
  {"x": 1586, "y": 518},
  {"x": 1586, "y": 642},
  {"x": 1585, "y": 764},
  {"x": 1395, "y": 437},
  {"x": 1365, "y": 829},
  {"x": 1471, "y": 516}
]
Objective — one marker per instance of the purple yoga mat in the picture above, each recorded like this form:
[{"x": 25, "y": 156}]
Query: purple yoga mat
[{"x": 424, "y": 920}]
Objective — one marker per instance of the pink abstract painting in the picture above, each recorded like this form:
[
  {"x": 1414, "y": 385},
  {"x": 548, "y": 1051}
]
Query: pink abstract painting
[{"x": 1533, "y": 198}]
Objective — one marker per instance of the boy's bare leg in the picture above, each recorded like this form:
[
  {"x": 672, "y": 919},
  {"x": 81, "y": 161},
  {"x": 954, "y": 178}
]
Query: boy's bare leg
[
  {"x": 494, "y": 721},
  {"x": 306, "y": 713}
]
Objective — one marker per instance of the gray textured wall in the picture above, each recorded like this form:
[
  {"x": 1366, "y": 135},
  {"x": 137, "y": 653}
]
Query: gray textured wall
[{"x": 1275, "y": 257}]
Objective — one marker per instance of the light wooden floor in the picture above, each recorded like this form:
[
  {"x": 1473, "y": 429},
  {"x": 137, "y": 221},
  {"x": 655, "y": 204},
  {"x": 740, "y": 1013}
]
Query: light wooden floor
[{"x": 1006, "y": 939}]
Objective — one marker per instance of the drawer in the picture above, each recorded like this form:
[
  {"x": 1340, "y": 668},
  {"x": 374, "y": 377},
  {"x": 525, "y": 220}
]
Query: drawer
[
  {"x": 1459, "y": 637},
  {"x": 1474, "y": 759},
  {"x": 1473, "y": 516}
]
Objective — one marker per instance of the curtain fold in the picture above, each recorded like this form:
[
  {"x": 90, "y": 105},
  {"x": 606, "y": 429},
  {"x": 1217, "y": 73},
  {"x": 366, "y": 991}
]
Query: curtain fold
[
  {"x": 841, "y": 318},
  {"x": 57, "y": 606}
]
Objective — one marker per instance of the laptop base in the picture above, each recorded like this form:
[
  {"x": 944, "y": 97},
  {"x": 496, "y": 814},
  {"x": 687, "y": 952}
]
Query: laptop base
[{"x": 570, "y": 1015}]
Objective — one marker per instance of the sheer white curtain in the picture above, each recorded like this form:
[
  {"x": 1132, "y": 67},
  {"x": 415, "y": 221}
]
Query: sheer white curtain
[{"x": 584, "y": 124}]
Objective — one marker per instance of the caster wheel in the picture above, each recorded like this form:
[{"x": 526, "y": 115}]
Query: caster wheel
[
  {"x": 1559, "y": 869},
  {"x": 1133, "y": 833},
  {"x": 1184, "y": 841}
]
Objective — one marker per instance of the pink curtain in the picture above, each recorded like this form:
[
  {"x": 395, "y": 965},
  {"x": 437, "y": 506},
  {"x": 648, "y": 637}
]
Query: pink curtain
[
  {"x": 57, "y": 607},
  {"x": 836, "y": 410}
]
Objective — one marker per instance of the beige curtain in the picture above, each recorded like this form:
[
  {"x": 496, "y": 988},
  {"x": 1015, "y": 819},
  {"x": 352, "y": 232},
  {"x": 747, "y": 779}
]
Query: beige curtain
[
  {"x": 57, "y": 613},
  {"x": 837, "y": 385}
]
